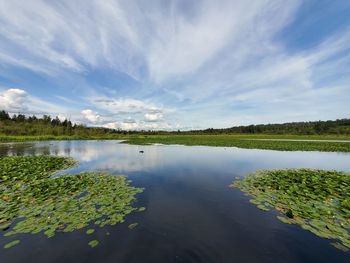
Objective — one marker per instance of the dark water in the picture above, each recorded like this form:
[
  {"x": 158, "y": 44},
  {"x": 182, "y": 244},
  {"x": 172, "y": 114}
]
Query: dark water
[{"x": 192, "y": 215}]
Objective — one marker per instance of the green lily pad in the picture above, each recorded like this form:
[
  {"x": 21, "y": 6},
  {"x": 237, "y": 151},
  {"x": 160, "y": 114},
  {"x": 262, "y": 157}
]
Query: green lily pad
[
  {"x": 90, "y": 231},
  {"x": 316, "y": 200},
  {"x": 93, "y": 243},
  {"x": 61, "y": 204},
  {"x": 141, "y": 209},
  {"x": 133, "y": 225},
  {"x": 340, "y": 247},
  {"x": 12, "y": 244}
]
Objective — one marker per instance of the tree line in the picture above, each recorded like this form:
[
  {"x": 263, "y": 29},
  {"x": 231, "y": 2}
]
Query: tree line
[
  {"x": 20, "y": 124},
  {"x": 339, "y": 126}
]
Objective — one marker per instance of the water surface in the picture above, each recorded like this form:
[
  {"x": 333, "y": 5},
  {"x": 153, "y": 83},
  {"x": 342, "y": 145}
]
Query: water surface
[{"x": 192, "y": 215}]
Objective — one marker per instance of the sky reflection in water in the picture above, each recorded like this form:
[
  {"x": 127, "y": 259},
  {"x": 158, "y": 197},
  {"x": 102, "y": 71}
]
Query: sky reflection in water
[{"x": 192, "y": 215}]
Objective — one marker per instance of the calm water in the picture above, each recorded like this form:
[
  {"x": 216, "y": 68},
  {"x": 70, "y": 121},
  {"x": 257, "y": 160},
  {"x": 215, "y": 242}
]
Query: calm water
[{"x": 192, "y": 215}]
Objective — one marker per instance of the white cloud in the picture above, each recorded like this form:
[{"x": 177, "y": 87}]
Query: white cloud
[
  {"x": 115, "y": 108},
  {"x": 16, "y": 100},
  {"x": 122, "y": 125},
  {"x": 121, "y": 105},
  {"x": 13, "y": 100},
  {"x": 168, "y": 39},
  {"x": 153, "y": 116},
  {"x": 66, "y": 36},
  {"x": 137, "y": 125},
  {"x": 91, "y": 116},
  {"x": 219, "y": 63}
]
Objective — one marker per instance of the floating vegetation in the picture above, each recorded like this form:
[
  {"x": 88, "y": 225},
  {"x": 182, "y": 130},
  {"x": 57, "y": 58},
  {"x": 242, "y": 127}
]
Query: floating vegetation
[
  {"x": 93, "y": 243},
  {"x": 316, "y": 200},
  {"x": 133, "y": 225},
  {"x": 90, "y": 231},
  {"x": 245, "y": 141},
  {"x": 12, "y": 244},
  {"x": 63, "y": 204}
]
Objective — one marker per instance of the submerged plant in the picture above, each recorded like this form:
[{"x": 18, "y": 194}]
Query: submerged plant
[
  {"x": 93, "y": 243},
  {"x": 316, "y": 200},
  {"x": 62, "y": 204},
  {"x": 133, "y": 225}
]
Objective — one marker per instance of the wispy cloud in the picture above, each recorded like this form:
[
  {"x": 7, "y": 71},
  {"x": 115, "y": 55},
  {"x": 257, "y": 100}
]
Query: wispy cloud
[
  {"x": 214, "y": 63},
  {"x": 122, "y": 105}
]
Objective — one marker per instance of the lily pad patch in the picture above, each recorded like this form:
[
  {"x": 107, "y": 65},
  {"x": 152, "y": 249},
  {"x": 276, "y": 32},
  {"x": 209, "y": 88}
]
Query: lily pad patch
[
  {"x": 316, "y": 200},
  {"x": 63, "y": 204}
]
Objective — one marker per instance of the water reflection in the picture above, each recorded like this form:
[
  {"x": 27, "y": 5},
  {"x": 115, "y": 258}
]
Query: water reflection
[
  {"x": 192, "y": 215},
  {"x": 116, "y": 157},
  {"x": 100, "y": 155}
]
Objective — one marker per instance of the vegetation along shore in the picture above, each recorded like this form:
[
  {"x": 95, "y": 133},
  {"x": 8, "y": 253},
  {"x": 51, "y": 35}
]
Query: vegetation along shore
[{"x": 19, "y": 128}]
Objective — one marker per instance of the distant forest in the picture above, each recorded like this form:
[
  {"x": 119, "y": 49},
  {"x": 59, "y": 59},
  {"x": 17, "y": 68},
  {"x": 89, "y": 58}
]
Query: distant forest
[
  {"x": 22, "y": 125},
  {"x": 341, "y": 127}
]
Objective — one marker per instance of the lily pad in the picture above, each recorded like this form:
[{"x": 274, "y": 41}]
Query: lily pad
[
  {"x": 12, "y": 243},
  {"x": 316, "y": 200},
  {"x": 141, "y": 209},
  {"x": 133, "y": 225},
  {"x": 90, "y": 231},
  {"x": 31, "y": 201},
  {"x": 93, "y": 243}
]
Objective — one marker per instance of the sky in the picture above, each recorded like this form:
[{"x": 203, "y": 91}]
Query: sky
[{"x": 185, "y": 64}]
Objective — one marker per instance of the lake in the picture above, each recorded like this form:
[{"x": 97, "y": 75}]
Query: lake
[{"x": 191, "y": 213}]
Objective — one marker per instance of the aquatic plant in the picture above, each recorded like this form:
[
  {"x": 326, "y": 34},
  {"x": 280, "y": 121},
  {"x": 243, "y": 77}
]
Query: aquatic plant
[
  {"x": 316, "y": 200},
  {"x": 61, "y": 204},
  {"x": 227, "y": 140},
  {"x": 93, "y": 243},
  {"x": 90, "y": 231},
  {"x": 12, "y": 243},
  {"x": 133, "y": 225},
  {"x": 246, "y": 141}
]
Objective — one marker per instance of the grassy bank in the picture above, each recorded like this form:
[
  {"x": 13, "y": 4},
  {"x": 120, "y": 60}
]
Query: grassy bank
[
  {"x": 9, "y": 138},
  {"x": 316, "y": 200},
  {"x": 249, "y": 142}
]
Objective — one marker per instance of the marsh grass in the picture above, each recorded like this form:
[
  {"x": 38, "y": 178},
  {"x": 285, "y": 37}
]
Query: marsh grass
[{"x": 248, "y": 142}]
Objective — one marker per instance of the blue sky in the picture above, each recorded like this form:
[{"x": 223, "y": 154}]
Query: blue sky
[{"x": 176, "y": 64}]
